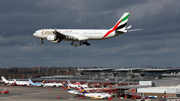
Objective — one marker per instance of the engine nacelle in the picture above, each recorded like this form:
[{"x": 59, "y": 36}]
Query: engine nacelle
[{"x": 52, "y": 38}]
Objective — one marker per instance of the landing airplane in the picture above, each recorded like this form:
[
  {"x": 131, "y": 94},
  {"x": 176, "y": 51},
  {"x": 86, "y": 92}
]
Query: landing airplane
[
  {"x": 21, "y": 83},
  {"x": 35, "y": 84},
  {"x": 7, "y": 81},
  {"x": 83, "y": 35}
]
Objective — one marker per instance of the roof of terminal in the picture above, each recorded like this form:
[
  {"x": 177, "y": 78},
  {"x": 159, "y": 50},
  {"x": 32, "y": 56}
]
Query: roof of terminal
[
  {"x": 126, "y": 69},
  {"x": 130, "y": 86},
  {"x": 154, "y": 69},
  {"x": 90, "y": 69},
  {"x": 165, "y": 87}
]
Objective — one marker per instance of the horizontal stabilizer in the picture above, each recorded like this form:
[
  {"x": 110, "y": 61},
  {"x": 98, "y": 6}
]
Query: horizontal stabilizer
[
  {"x": 129, "y": 27},
  {"x": 134, "y": 30}
]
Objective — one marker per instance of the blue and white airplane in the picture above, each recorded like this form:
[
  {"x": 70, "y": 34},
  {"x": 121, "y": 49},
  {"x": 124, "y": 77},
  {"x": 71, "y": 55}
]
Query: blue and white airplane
[
  {"x": 35, "y": 84},
  {"x": 70, "y": 90}
]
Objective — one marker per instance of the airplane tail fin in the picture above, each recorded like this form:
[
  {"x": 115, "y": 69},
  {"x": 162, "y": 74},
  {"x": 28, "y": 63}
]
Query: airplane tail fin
[
  {"x": 121, "y": 24},
  {"x": 68, "y": 88},
  {"x": 14, "y": 81},
  {"x": 30, "y": 81},
  {"x": 78, "y": 83},
  {"x": 3, "y": 79},
  {"x": 69, "y": 82},
  {"x": 43, "y": 81},
  {"x": 83, "y": 90}
]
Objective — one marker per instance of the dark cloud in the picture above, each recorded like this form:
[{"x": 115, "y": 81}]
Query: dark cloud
[{"x": 157, "y": 44}]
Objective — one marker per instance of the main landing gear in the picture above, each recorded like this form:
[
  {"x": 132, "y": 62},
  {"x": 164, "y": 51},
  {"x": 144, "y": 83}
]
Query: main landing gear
[
  {"x": 79, "y": 44},
  {"x": 41, "y": 41}
]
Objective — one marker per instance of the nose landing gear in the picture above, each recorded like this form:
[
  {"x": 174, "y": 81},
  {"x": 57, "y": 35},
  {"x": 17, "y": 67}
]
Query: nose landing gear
[{"x": 41, "y": 41}]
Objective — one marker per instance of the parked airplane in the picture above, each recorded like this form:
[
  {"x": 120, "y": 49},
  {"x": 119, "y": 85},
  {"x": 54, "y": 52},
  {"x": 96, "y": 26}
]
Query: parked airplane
[
  {"x": 87, "y": 94},
  {"x": 7, "y": 81},
  {"x": 71, "y": 91},
  {"x": 35, "y": 84},
  {"x": 94, "y": 95},
  {"x": 52, "y": 84},
  {"x": 82, "y": 85},
  {"x": 21, "y": 83},
  {"x": 76, "y": 85},
  {"x": 72, "y": 85},
  {"x": 83, "y": 35}
]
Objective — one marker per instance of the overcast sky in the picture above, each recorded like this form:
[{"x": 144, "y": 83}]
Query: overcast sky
[{"x": 158, "y": 44}]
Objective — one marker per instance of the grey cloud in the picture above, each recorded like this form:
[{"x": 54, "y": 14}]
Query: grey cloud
[{"x": 157, "y": 44}]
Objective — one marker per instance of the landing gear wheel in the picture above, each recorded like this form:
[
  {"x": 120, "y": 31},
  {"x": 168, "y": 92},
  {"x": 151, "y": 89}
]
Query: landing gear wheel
[
  {"x": 87, "y": 44},
  {"x": 75, "y": 45},
  {"x": 80, "y": 43},
  {"x": 41, "y": 41}
]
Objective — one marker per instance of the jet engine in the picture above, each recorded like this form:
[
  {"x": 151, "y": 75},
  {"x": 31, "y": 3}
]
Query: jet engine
[{"x": 53, "y": 39}]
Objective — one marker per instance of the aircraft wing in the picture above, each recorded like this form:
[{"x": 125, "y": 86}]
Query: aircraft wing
[{"x": 71, "y": 37}]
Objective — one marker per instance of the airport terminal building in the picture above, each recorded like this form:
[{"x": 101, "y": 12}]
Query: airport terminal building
[{"x": 163, "y": 81}]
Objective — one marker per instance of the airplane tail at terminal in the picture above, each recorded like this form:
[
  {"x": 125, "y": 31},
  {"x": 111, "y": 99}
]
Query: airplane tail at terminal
[
  {"x": 68, "y": 88},
  {"x": 43, "y": 81},
  {"x": 3, "y": 79},
  {"x": 69, "y": 82},
  {"x": 31, "y": 81},
  {"x": 15, "y": 81},
  {"x": 83, "y": 90},
  {"x": 78, "y": 83}
]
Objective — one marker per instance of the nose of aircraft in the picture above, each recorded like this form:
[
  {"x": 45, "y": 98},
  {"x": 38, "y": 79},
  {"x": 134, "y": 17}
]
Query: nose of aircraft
[
  {"x": 37, "y": 34},
  {"x": 34, "y": 34}
]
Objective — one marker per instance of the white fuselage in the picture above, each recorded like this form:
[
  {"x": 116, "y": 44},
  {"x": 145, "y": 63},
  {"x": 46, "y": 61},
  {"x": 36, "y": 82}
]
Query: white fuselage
[
  {"x": 73, "y": 85},
  {"x": 101, "y": 95},
  {"x": 52, "y": 84},
  {"x": 9, "y": 82},
  {"x": 73, "y": 92},
  {"x": 76, "y": 86},
  {"x": 22, "y": 83},
  {"x": 81, "y": 34}
]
